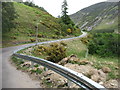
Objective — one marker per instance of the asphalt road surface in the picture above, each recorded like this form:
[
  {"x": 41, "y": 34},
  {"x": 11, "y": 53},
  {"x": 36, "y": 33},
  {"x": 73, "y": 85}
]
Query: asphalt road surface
[{"x": 12, "y": 78}]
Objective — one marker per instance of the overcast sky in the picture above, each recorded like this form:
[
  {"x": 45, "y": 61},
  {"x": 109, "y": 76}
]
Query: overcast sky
[{"x": 54, "y": 6}]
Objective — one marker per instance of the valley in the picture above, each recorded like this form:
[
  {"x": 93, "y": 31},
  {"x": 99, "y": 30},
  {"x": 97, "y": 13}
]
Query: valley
[{"x": 92, "y": 47}]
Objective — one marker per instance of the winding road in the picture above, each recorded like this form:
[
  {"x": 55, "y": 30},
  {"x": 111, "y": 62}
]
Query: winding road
[{"x": 12, "y": 78}]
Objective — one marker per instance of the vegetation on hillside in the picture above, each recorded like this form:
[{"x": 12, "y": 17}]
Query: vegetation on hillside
[
  {"x": 103, "y": 48},
  {"x": 31, "y": 4},
  {"x": 105, "y": 45},
  {"x": 98, "y": 17},
  {"x": 53, "y": 52},
  {"x": 73, "y": 48},
  {"x": 68, "y": 26},
  {"x": 8, "y": 15},
  {"x": 21, "y": 21}
]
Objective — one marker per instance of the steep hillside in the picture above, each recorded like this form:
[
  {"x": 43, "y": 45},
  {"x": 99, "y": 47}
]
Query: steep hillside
[
  {"x": 19, "y": 23},
  {"x": 101, "y": 17}
]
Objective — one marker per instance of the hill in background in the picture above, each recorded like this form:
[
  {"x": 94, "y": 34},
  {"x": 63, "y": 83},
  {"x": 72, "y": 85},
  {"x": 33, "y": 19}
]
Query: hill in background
[
  {"x": 20, "y": 22},
  {"x": 100, "y": 17}
]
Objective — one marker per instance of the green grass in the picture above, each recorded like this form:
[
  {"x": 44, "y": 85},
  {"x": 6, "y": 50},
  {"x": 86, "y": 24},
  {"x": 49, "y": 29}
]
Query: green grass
[
  {"x": 25, "y": 22},
  {"x": 76, "y": 47},
  {"x": 18, "y": 62},
  {"x": 105, "y": 11},
  {"x": 79, "y": 49},
  {"x": 23, "y": 40},
  {"x": 25, "y": 25},
  {"x": 104, "y": 27},
  {"x": 48, "y": 84},
  {"x": 100, "y": 62}
]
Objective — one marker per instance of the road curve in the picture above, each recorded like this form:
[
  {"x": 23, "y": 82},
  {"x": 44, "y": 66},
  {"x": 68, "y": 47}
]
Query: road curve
[{"x": 12, "y": 78}]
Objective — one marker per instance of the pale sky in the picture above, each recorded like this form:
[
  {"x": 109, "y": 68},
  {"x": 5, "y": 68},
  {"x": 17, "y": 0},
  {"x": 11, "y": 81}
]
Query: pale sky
[{"x": 54, "y": 6}]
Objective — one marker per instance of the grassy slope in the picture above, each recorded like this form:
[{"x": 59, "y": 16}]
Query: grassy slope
[
  {"x": 107, "y": 11},
  {"x": 107, "y": 26},
  {"x": 76, "y": 47},
  {"x": 27, "y": 18}
]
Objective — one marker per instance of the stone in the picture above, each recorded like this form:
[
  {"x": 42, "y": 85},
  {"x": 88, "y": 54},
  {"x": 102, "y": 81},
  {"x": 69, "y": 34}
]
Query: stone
[
  {"x": 63, "y": 61},
  {"x": 48, "y": 78},
  {"x": 40, "y": 67},
  {"x": 106, "y": 69},
  {"x": 91, "y": 63},
  {"x": 95, "y": 77},
  {"x": 73, "y": 56},
  {"x": 84, "y": 62},
  {"x": 55, "y": 78},
  {"x": 93, "y": 71},
  {"x": 26, "y": 64},
  {"x": 111, "y": 84},
  {"x": 102, "y": 75},
  {"x": 74, "y": 59},
  {"x": 101, "y": 83}
]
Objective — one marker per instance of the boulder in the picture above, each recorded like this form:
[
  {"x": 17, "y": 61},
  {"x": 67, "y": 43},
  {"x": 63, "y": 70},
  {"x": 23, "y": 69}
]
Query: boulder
[
  {"x": 111, "y": 84},
  {"x": 106, "y": 69},
  {"x": 40, "y": 67},
  {"x": 26, "y": 64},
  {"x": 73, "y": 56},
  {"x": 63, "y": 61},
  {"x": 83, "y": 62},
  {"x": 102, "y": 75},
  {"x": 95, "y": 77}
]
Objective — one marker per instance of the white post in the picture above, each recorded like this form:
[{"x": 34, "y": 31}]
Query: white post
[
  {"x": 46, "y": 69},
  {"x": 70, "y": 84},
  {"x": 86, "y": 54},
  {"x": 32, "y": 64},
  {"x": 37, "y": 34}
]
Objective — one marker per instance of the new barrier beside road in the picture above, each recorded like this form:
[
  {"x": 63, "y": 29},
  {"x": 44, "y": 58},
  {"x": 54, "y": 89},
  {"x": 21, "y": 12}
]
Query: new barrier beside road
[{"x": 71, "y": 75}]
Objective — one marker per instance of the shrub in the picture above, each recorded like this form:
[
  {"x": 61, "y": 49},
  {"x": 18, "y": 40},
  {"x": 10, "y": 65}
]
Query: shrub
[
  {"x": 104, "y": 44},
  {"x": 32, "y": 40},
  {"x": 54, "y": 36},
  {"x": 57, "y": 32},
  {"x": 62, "y": 43},
  {"x": 13, "y": 37},
  {"x": 69, "y": 30},
  {"x": 56, "y": 52},
  {"x": 40, "y": 35},
  {"x": 85, "y": 40}
]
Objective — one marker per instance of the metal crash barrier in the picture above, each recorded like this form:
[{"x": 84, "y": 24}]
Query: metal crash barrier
[{"x": 75, "y": 77}]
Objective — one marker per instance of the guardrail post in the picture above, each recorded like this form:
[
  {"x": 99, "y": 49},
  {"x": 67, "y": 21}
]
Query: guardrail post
[
  {"x": 32, "y": 64},
  {"x": 86, "y": 55},
  {"x": 46, "y": 69},
  {"x": 70, "y": 84}
]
